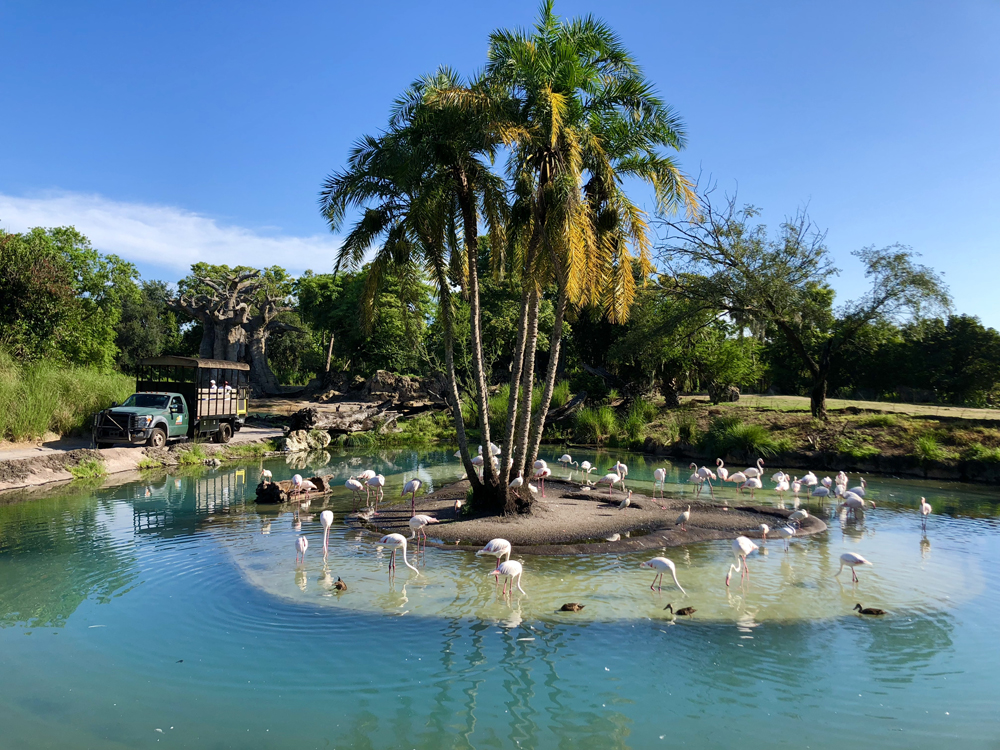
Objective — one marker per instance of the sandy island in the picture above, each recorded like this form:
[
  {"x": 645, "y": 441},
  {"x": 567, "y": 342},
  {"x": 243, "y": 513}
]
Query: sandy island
[{"x": 572, "y": 521}]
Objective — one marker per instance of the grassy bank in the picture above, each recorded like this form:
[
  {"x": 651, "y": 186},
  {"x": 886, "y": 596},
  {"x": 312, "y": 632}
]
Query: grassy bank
[{"x": 46, "y": 396}]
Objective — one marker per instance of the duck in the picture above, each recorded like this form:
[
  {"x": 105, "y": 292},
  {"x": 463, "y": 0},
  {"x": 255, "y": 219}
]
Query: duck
[
  {"x": 874, "y": 611},
  {"x": 339, "y": 585},
  {"x": 683, "y": 611},
  {"x": 571, "y": 607}
]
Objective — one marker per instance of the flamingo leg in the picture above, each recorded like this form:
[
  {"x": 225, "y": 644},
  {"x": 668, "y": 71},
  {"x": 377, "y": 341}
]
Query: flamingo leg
[
  {"x": 653, "y": 584},
  {"x": 710, "y": 488}
]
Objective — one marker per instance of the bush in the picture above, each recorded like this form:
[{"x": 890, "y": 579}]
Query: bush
[
  {"x": 728, "y": 434},
  {"x": 687, "y": 430},
  {"x": 928, "y": 449},
  {"x": 596, "y": 425},
  {"x": 90, "y": 468},
  {"x": 47, "y": 396}
]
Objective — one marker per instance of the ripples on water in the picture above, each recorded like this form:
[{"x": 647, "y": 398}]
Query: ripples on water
[{"x": 124, "y": 614}]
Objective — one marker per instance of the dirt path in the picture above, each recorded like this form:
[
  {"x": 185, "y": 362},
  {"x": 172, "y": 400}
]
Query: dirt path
[{"x": 569, "y": 521}]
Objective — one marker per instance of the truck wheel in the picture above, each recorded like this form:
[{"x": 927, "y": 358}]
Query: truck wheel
[
  {"x": 158, "y": 439},
  {"x": 225, "y": 433}
]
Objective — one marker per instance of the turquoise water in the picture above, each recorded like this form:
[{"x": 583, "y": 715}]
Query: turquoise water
[{"x": 172, "y": 613}]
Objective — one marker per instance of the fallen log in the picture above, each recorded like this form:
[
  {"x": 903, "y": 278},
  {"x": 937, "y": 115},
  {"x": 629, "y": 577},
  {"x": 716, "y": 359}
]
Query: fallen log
[{"x": 281, "y": 492}]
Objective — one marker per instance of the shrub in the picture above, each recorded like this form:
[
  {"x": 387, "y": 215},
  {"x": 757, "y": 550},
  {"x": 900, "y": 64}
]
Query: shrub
[
  {"x": 49, "y": 396},
  {"x": 561, "y": 395},
  {"x": 687, "y": 430},
  {"x": 89, "y": 468},
  {"x": 596, "y": 425},
  {"x": 728, "y": 434},
  {"x": 928, "y": 449},
  {"x": 192, "y": 455}
]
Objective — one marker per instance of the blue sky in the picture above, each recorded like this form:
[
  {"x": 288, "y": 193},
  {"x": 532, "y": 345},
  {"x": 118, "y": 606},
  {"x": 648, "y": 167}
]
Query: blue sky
[{"x": 175, "y": 132}]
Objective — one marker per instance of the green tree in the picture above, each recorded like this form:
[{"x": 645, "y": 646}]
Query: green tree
[
  {"x": 148, "y": 327},
  {"x": 723, "y": 262}
]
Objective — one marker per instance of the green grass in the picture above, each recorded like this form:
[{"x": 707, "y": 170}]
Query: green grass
[
  {"x": 47, "y": 396},
  {"x": 148, "y": 463},
  {"x": 595, "y": 425},
  {"x": 856, "y": 447},
  {"x": 561, "y": 395},
  {"x": 979, "y": 452},
  {"x": 249, "y": 450},
  {"x": 878, "y": 420},
  {"x": 192, "y": 455},
  {"x": 927, "y": 448},
  {"x": 90, "y": 468}
]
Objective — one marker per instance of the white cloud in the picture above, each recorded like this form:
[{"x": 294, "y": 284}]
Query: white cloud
[{"x": 164, "y": 236}]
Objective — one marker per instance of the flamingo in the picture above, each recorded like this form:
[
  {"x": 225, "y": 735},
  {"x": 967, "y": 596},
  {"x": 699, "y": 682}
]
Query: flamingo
[
  {"x": 411, "y": 487},
  {"x": 683, "y": 518},
  {"x": 737, "y": 478},
  {"x": 478, "y": 462},
  {"x": 755, "y": 471},
  {"x": 568, "y": 461},
  {"x": 587, "y": 467},
  {"x": 626, "y": 502},
  {"x": 810, "y": 480},
  {"x": 796, "y": 486},
  {"x": 821, "y": 491},
  {"x": 364, "y": 476},
  {"x": 764, "y": 528},
  {"x": 296, "y": 483},
  {"x": 541, "y": 475},
  {"x": 396, "y": 541},
  {"x": 612, "y": 479},
  {"x": 786, "y": 533},
  {"x": 841, "y": 478},
  {"x": 854, "y": 503},
  {"x": 742, "y": 546},
  {"x": 925, "y": 510},
  {"x": 779, "y": 476},
  {"x": 659, "y": 478},
  {"x": 418, "y": 524},
  {"x": 511, "y": 571},
  {"x": 539, "y": 464},
  {"x": 851, "y": 560},
  {"x": 326, "y": 518},
  {"x": 494, "y": 449},
  {"x": 496, "y": 547},
  {"x": 827, "y": 482},
  {"x": 301, "y": 545},
  {"x": 661, "y": 565},
  {"x": 354, "y": 486},
  {"x": 782, "y": 485},
  {"x": 306, "y": 486},
  {"x": 860, "y": 491},
  {"x": 798, "y": 516},
  {"x": 376, "y": 483},
  {"x": 752, "y": 484},
  {"x": 697, "y": 479},
  {"x": 708, "y": 475},
  {"x": 621, "y": 469},
  {"x": 721, "y": 469}
]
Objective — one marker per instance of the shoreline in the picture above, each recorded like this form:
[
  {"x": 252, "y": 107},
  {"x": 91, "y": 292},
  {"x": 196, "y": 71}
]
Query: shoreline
[{"x": 570, "y": 521}]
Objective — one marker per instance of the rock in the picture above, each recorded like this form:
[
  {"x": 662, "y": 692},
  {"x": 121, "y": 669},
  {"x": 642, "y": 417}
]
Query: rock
[
  {"x": 213, "y": 462},
  {"x": 720, "y": 394},
  {"x": 296, "y": 441},
  {"x": 387, "y": 385},
  {"x": 317, "y": 439}
]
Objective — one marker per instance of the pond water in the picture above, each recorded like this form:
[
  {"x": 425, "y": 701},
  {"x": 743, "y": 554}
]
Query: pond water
[{"x": 171, "y": 612}]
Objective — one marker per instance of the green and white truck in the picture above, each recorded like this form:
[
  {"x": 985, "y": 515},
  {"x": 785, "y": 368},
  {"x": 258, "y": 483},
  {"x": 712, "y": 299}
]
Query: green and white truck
[{"x": 178, "y": 397}]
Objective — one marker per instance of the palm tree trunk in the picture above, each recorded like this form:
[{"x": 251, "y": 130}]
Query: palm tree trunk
[
  {"x": 471, "y": 230},
  {"x": 453, "y": 392},
  {"x": 527, "y": 383},
  {"x": 555, "y": 341},
  {"x": 507, "y": 449}
]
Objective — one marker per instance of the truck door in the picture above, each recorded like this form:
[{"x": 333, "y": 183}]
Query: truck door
[{"x": 178, "y": 417}]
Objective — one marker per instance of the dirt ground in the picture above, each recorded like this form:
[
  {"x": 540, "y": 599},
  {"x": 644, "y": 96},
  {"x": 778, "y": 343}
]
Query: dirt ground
[{"x": 570, "y": 521}]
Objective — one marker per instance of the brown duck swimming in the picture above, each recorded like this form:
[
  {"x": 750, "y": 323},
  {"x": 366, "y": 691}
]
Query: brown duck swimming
[
  {"x": 869, "y": 610},
  {"x": 339, "y": 585},
  {"x": 571, "y": 607},
  {"x": 683, "y": 611}
]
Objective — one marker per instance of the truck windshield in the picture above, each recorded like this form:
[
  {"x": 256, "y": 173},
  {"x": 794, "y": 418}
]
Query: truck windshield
[{"x": 147, "y": 401}]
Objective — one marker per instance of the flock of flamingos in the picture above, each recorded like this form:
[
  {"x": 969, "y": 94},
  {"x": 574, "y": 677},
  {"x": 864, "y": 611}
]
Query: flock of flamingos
[{"x": 373, "y": 485}]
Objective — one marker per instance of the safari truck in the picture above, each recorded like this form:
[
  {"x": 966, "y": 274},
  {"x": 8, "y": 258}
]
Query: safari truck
[{"x": 178, "y": 397}]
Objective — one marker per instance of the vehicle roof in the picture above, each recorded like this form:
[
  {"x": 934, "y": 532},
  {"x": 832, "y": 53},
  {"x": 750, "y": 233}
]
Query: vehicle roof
[{"x": 215, "y": 364}]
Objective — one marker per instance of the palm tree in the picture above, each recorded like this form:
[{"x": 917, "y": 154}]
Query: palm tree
[
  {"x": 583, "y": 118},
  {"x": 421, "y": 187}
]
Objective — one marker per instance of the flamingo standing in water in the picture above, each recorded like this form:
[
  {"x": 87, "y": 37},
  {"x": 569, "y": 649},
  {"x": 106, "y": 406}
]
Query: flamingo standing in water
[
  {"x": 568, "y": 461},
  {"x": 377, "y": 483},
  {"x": 708, "y": 475},
  {"x": 354, "y": 486},
  {"x": 497, "y": 548},
  {"x": 742, "y": 546},
  {"x": 739, "y": 479},
  {"x": 661, "y": 565},
  {"x": 364, "y": 476},
  {"x": 721, "y": 469},
  {"x": 697, "y": 479},
  {"x": 396, "y": 541},
  {"x": 756, "y": 470},
  {"x": 326, "y": 518},
  {"x": 301, "y": 545},
  {"x": 860, "y": 491},
  {"x": 411, "y": 488},
  {"x": 782, "y": 486},
  {"x": 541, "y": 475},
  {"x": 810, "y": 480},
  {"x": 925, "y": 510},
  {"x": 418, "y": 525},
  {"x": 659, "y": 478},
  {"x": 786, "y": 533},
  {"x": 511, "y": 571},
  {"x": 851, "y": 560},
  {"x": 752, "y": 484},
  {"x": 586, "y": 467}
]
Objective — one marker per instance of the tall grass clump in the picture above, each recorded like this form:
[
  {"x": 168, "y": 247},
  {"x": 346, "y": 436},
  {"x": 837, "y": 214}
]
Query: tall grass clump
[
  {"x": 89, "y": 468},
  {"x": 927, "y": 448},
  {"x": 596, "y": 425},
  {"x": 191, "y": 455},
  {"x": 640, "y": 414},
  {"x": 729, "y": 435},
  {"x": 878, "y": 420},
  {"x": 980, "y": 452},
  {"x": 47, "y": 396},
  {"x": 561, "y": 395}
]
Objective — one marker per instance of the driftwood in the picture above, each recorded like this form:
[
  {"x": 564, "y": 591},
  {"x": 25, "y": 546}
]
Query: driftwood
[
  {"x": 279, "y": 492},
  {"x": 346, "y": 417},
  {"x": 567, "y": 411}
]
